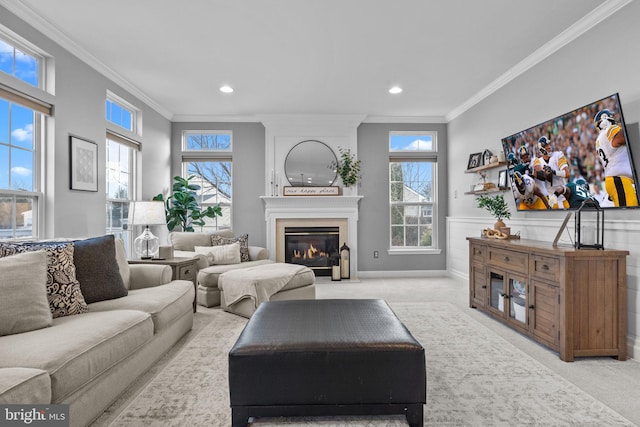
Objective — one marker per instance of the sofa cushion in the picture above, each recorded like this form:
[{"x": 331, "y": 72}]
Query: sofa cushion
[
  {"x": 221, "y": 255},
  {"x": 63, "y": 289},
  {"x": 243, "y": 240},
  {"x": 97, "y": 269},
  {"x": 208, "y": 277},
  {"x": 23, "y": 286},
  {"x": 186, "y": 241},
  {"x": 123, "y": 264},
  {"x": 24, "y": 385},
  {"x": 165, "y": 303},
  {"x": 77, "y": 349}
]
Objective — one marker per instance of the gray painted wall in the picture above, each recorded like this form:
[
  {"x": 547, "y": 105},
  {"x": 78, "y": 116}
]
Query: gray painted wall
[
  {"x": 601, "y": 62},
  {"x": 79, "y": 105},
  {"x": 248, "y": 173},
  {"x": 373, "y": 223}
]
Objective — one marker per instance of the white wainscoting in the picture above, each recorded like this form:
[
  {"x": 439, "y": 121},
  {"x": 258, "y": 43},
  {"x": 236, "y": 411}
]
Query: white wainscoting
[{"x": 618, "y": 235}]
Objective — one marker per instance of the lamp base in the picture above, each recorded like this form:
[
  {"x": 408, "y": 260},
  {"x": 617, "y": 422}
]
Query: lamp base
[{"x": 146, "y": 245}]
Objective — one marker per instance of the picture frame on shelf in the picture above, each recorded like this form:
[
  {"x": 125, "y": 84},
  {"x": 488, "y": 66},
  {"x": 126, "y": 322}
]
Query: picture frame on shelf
[
  {"x": 475, "y": 160},
  {"x": 502, "y": 180},
  {"x": 83, "y": 163}
]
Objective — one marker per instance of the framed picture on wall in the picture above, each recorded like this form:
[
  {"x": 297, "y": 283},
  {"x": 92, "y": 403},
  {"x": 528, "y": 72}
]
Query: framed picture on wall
[
  {"x": 83, "y": 164},
  {"x": 502, "y": 180},
  {"x": 475, "y": 160}
]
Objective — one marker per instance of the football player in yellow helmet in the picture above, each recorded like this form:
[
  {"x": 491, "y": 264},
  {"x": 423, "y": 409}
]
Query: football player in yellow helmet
[
  {"x": 610, "y": 147},
  {"x": 527, "y": 193},
  {"x": 551, "y": 170}
]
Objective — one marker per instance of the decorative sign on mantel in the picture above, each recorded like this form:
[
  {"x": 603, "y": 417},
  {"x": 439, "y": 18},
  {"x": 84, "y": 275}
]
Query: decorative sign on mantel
[{"x": 311, "y": 191}]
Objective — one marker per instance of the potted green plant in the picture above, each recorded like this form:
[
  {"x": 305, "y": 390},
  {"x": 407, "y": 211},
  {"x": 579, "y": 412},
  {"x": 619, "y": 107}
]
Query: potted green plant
[
  {"x": 497, "y": 207},
  {"x": 182, "y": 206},
  {"x": 347, "y": 167}
]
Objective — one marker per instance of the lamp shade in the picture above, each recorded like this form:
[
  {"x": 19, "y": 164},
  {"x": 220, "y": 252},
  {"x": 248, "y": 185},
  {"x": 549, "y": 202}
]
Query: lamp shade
[{"x": 147, "y": 213}]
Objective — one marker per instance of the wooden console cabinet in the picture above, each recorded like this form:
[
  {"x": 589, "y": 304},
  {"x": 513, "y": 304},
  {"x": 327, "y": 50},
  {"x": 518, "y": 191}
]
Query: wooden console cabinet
[{"x": 573, "y": 301}]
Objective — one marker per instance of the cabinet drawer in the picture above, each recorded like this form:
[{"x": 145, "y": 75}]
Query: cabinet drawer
[
  {"x": 511, "y": 260},
  {"x": 545, "y": 267},
  {"x": 187, "y": 272},
  {"x": 478, "y": 253}
]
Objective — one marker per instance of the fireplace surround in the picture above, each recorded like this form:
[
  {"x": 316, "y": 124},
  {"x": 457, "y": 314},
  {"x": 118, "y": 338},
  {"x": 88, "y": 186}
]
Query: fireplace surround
[{"x": 318, "y": 211}]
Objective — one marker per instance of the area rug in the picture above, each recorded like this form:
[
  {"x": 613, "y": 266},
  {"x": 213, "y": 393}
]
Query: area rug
[{"x": 474, "y": 378}]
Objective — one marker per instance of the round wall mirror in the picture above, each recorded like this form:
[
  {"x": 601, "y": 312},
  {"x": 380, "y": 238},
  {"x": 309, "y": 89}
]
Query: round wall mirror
[{"x": 310, "y": 164}]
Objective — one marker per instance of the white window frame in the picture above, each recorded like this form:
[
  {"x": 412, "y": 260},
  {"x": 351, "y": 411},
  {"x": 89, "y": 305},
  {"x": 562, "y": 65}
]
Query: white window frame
[
  {"x": 35, "y": 98},
  {"x": 136, "y": 114},
  {"x": 208, "y": 156},
  {"x": 430, "y": 156},
  {"x": 125, "y": 233}
]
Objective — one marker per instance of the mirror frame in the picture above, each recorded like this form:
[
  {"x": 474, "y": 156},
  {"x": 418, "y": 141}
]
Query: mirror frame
[{"x": 334, "y": 160}]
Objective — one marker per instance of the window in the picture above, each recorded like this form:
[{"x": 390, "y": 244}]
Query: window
[
  {"x": 20, "y": 63},
  {"x": 412, "y": 195},
  {"x": 21, "y": 123},
  {"x": 121, "y": 161},
  {"x": 121, "y": 113},
  {"x": 208, "y": 157}
]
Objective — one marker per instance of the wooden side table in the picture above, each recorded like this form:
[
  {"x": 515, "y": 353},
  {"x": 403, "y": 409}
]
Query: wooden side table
[{"x": 182, "y": 269}]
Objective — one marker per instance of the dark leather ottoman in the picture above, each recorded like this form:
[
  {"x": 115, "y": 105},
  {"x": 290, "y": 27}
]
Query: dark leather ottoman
[{"x": 326, "y": 357}]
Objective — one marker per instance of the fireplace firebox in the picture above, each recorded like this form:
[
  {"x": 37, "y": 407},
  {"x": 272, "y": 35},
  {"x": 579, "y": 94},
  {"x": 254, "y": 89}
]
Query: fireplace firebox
[{"x": 314, "y": 247}]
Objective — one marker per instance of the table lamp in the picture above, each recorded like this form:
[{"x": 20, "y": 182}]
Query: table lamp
[{"x": 147, "y": 245}]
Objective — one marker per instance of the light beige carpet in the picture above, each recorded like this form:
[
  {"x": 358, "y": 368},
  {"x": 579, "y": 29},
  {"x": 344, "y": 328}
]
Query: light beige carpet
[{"x": 474, "y": 378}]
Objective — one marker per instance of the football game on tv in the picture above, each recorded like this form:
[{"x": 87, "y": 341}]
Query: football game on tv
[{"x": 583, "y": 155}]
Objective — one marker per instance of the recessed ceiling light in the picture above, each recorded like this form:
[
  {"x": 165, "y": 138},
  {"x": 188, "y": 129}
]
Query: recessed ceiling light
[
  {"x": 226, "y": 89},
  {"x": 395, "y": 90}
]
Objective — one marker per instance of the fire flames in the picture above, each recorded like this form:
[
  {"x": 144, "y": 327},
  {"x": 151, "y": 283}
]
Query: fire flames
[{"x": 310, "y": 253}]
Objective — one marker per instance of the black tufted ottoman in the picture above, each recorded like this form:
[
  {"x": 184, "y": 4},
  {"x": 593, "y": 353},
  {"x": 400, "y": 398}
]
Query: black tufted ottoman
[{"x": 326, "y": 357}]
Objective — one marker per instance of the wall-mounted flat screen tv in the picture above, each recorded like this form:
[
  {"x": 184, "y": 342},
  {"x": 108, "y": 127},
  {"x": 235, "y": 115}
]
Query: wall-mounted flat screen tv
[{"x": 581, "y": 155}]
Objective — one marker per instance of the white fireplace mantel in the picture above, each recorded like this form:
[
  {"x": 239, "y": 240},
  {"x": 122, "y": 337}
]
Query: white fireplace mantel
[{"x": 310, "y": 207}]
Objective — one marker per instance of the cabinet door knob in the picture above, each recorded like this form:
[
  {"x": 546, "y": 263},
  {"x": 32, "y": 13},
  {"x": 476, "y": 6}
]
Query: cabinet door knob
[
  {"x": 531, "y": 307},
  {"x": 506, "y": 259},
  {"x": 187, "y": 271},
  {"x": 545, "y": 267},
  {"x": 484, "y": 286}
]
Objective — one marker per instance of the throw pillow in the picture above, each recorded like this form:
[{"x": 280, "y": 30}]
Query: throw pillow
[
  {"x": 23, "y": 286},
  {"x": 63, "y": 290},
  {"x": 243, "y": 240},
  {"x": 97, "y": 269},
  {"x": 222, "y": 254}
]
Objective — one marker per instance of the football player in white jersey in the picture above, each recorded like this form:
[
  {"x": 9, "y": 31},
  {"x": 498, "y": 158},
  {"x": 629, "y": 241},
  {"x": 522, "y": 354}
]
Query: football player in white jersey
[
  {"x": 552, "y": 169},
  {"x": 527, "y": 193},
  {"x": 612, "y": 150}
]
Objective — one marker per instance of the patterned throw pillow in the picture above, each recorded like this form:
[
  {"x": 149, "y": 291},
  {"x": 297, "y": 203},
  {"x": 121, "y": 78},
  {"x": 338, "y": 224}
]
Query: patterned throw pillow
[
  {"x": 63, "y": 290},
  {"x": 243, "y": 240}
]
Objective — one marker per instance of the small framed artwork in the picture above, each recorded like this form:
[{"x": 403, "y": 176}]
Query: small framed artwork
[
  {"x": 502, "y": 179},
  {"x": 83, "y": 164},
  {"x": 475, "y": 160}
]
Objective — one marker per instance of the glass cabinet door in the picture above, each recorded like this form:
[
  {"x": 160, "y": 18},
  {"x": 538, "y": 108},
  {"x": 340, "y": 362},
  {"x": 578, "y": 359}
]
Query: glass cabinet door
[
  {"x": 518, "y": 300},
  {"x": 497, "y": 291}
]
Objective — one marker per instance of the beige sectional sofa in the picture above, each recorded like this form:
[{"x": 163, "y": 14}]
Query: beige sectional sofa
[
  {"x": 210, "y": 294},
  {"x": 184, "y": 244},
  {"x": 87, "y": 360}
]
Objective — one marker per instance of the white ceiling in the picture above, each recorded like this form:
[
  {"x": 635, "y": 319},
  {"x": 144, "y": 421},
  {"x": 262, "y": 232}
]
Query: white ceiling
[{"x": 313, "y": 56}]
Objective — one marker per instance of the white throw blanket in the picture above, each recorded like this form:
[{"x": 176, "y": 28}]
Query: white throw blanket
[{"x": 257, "y": 283}]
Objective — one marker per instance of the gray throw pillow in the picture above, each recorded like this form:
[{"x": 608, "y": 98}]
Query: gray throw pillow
[
  {"x": 23, "y": 286},
  {"x": 97, "y": 269}
]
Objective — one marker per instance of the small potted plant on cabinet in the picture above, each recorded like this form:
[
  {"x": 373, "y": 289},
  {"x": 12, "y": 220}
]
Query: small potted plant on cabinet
[{"x": 497, "y": 207}]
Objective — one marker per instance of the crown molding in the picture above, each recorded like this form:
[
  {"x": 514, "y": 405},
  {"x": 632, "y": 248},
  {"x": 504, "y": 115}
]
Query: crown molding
[
  {"x": 581, "y": 26},
  {"x": 404, "y": 119},
  {"x": 23, "y": 12},
  {"x": 216, "y": 118}
]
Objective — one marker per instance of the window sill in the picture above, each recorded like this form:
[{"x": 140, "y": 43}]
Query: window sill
[{"x": 414, "y": 251}]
